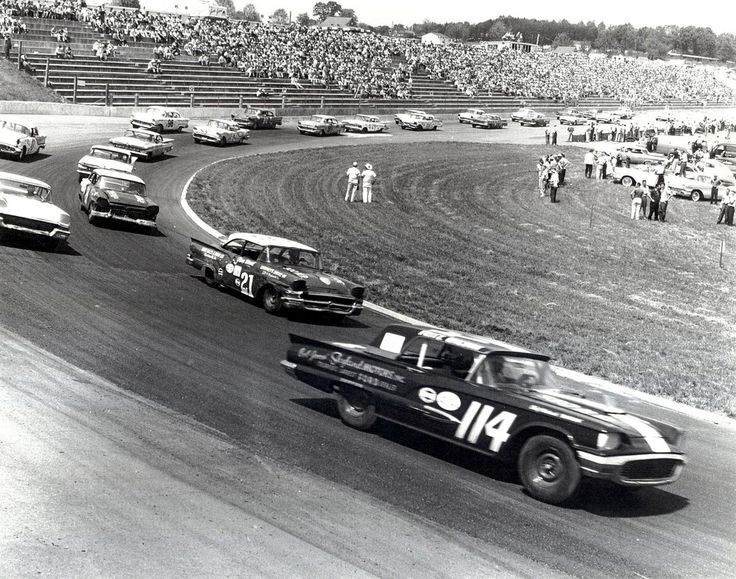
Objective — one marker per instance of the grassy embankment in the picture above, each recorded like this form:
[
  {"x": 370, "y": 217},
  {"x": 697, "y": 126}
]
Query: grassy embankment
[
  {"x": 20, "y": 86},
  {"x": 460, "y": 238}
]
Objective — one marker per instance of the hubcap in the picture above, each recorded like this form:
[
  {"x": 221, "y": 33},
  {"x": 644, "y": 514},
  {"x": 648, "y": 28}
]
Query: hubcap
[{"x": 549, "y": 467}]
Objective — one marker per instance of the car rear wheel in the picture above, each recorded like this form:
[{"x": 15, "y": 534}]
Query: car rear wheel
[
  {"x": 159, "y": 128},
  {"x": 627, "y": 181},
  {"x": 696, "y": 195},
  {"x": 548, "y": 469},
  {"x": 179, "y": 129},
  {"x": 364, "y": 130},
  {"x": 434, "y": 128},
  {"x": 223, "y": 141},
  {"x": 209, "y": 277},
  {"x": 322, "y": 133},
  {"x": 271, "y": 300},
  {"x": 356, "y": 409}
]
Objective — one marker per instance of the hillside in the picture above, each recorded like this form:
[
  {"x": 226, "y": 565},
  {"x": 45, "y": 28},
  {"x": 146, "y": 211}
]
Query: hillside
[{"x": 18, "y": 86}]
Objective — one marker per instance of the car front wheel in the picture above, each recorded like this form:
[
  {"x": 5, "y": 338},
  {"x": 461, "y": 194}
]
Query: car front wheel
[
  {"x": 22, "y": 154},
  {"x": 356, "y": 409},
  {"x": 696, "y": 195},
  {"x": 548, "y": 469},
  {"x": 271, "y": 300},
  {"x": 627, "y": 181}
]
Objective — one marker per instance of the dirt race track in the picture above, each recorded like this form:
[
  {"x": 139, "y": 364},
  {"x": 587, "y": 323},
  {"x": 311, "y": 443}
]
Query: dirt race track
[{"x": 146, "y": 428}]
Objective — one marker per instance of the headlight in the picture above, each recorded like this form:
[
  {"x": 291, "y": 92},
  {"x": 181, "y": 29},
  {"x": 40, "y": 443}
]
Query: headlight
[
  {"x": 608, "y": 440},
  {"x": 102, "y": 204},
  {"x": 358, "y": 292},
  {"x": 298, "y": 285}
]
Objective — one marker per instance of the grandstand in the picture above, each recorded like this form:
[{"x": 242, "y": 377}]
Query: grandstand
[{"x": 123, "y": 81}]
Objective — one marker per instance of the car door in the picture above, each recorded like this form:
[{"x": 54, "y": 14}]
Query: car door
[{"x": 239, "y": 271}]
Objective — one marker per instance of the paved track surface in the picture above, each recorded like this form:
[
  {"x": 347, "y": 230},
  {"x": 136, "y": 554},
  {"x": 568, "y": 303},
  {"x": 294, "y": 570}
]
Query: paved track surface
[{"x": 147, "y": 428}]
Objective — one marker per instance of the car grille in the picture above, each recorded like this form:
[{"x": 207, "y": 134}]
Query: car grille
[
  {"x": 30, "y": 223},
  {"x": 130, "y": 212},
  {"x": 649, "y": 469}
]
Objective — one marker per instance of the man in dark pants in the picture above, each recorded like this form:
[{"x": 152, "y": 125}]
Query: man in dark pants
[
  {"x": 554, "y": 135},
  {"x": 554, "y": 182},
  {"x": 654, "y": 196},
  {"x": 7, "y": 45},
  {"x": 589, "y": 161},
  {"x": 714, "y": 191}
]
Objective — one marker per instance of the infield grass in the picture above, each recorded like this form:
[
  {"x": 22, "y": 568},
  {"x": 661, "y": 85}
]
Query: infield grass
[{"x": 459, "y": 237}]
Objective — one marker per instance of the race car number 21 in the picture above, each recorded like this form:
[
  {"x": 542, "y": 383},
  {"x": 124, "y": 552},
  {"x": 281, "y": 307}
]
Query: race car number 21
[{"x": 246, "y": 284}]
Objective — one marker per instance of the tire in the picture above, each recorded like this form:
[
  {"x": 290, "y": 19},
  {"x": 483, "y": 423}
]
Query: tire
[
  {"x": 434, "y": 128},
  {"x": 473, "y": 125},
  {"x": 179, "y": 129},
  {"x": 91, "y": 218},
  {"x": 209, "y": 277},
  {"x": 627, "y": 181},
  {"x": 22, "y": 154},
  {"x": 223, "y": 141},
  {"x": 357, "y": 410},
  {"x": 365, "y": 130},
  {"x": 548, "y": 469},
  {"x": 159, "y": 128},
  {"x": 271, "y": 300},
  {"x": 696, "y": 195},
  {"x": 321, "y": 133}
]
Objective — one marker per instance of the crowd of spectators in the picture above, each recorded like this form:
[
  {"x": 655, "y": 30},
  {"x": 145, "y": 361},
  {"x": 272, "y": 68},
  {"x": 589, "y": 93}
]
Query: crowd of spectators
[
  {"x": 566, "y": 77},
  {"x": 374, "y": 66}
]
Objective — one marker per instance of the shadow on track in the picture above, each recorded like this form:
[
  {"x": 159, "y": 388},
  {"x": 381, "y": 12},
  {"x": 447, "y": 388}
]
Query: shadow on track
[
  {"x": 36, "y": 245},
  {"x": 596, "y": 497}
]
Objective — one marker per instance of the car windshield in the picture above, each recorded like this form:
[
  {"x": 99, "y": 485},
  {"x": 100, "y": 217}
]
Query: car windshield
[
  {"x": 21, "y": 188},
  {"x": 111, "y": 155},
  {"x": 122, "y": 186},
  {"x": 15, "y": 127},
  {"x": 500, "y": 370},
  {"x": 294, "y": 256}
]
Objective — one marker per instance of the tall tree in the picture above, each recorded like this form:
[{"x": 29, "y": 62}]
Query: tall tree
[
  {"x": 322, "y": 10},
  {"x": 349, "y": 13},
  {"x": 248, "y": 12},
  {"x": 228, "y": 5},
  {"x": 280, "y": 16},
  {"x": 303, "y": 19},
  {"x": 562, "y": 39}
]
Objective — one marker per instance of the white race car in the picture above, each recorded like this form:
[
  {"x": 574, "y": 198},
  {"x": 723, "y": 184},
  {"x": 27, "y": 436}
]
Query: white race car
[
  {"x": 20, "y": 139},
  {"x": 106, "y": 157},
  {"x": 220, "y": 132},
  {"x": 470, "y": 115},
  {"x": 365, "y": 124},
  {"x": 25, "y": 209},
  {"x": 417, "y": 121},
  {"x": 142, "y": 143},
  {"x": 159, "y": 119}
]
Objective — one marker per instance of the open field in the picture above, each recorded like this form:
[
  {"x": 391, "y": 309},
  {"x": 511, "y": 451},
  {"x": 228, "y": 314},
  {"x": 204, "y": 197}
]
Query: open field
[{"x": 459, "y": 237}]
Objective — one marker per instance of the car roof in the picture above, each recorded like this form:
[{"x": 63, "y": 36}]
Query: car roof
[
  {"x": 118, "y": 175},
  {"x": 144, "y": 131},
  {"x": 111, "y": 148},
  {"x": 270, "y": 240},
  {"x": 24, "y": 179}
]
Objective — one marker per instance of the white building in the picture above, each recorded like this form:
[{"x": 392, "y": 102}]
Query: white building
[
  {"x": 435, "y": 38},
  {"x": 190, "y": 7}
]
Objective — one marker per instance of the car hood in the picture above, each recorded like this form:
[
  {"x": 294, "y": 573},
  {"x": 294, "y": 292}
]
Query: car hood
[
  {"x": 319, "y": 281},
  {"x": 128, "y": 199},
  {"x": 310, "y": 123},
  {"x": 32, "y": 208},
  {"x": 131, "y": 142},
  {"x": 10, "y": 137},
  {"x": 574, "y": 407},
  {"x": 97, "y": 163}
]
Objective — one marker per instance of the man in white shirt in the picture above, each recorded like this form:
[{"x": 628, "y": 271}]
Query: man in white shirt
[
  {"x": 589, "y": 161},
  {"x": 353, "y": 174},
  {"x": 368, "y": 176}
]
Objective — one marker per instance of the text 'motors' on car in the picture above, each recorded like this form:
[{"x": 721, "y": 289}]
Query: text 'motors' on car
[
  {"x": 26, "y": 210},
  {"x": 487, "y": 397}
]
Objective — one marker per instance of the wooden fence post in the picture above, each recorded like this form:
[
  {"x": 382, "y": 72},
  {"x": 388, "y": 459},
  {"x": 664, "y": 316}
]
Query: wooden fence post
[
  {"x": 74, "y": 90},
  {"x": 191, "y": 100},
  {"x": 46, "y": 73},
  {"x": 107, "y": 94},
  {"x": 20, "y": 51},
  {"x": 135, "y": 99},
  {"x": 240, "y": 102}
]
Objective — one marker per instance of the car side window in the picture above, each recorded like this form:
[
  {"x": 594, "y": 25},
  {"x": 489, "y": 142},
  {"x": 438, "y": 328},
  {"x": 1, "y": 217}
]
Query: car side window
[
  {"x": 422, "y": 353},
  {"x": 251, "y": 250},
  {"x": 235, "y": 246}
]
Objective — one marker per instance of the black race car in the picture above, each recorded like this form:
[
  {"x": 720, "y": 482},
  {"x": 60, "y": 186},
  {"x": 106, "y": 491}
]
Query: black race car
[
  {"x": 481, "y": 395},
  {"x": 257, "y": 119}
]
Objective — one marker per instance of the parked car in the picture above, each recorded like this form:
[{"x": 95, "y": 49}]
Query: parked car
[
  {"x": 320, "y": 125},
  {"x": 257, "y": 119},
  {"x": 26, "y": 210},
  {"x": 159, "y": 119},
  {"x": 695, "y": 184},
  {"x": 570, "y": 112},
  {"x": 278, "y": 273},
  {"x": 106, "y": 157},
  {"x": 572, "y": 119},
  {"x": 638, "y": 154},
  {"x": 489, "y": 121},
  {"x": 489, "y": 398},
  {"x": 516, "y": 116},
  {"x": 469, "y": 115},
  {"x": 415, "y": 120},
  {"x": 20, "y": 139},
  {"x": 220, "y": 132},
  {"x": 725, "y": 153},
  {"x": 144, "y": 144},
  {"x": 534, "y": 120},
  {"x": 606, "y": 117},
  {"x": 623, "y": 113},
  {"x": 117, "y": 196},
  {"x": 365, "y": 124}
]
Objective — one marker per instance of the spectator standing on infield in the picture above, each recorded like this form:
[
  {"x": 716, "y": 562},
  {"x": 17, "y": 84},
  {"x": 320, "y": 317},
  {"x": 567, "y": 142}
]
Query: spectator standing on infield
[
  {"x": 654, "y": 197},
  {"x": 546, "y": 136},
  {"x": 353, "y": 174},
  {"x": 730, "y": 206},
  {"x": 664, "y": 199},
  {"x": 562, "y": 168},
  {"x": 589, "y": 161},
  {"x": 554, "y": 182},
  {"x": 7, "y": 45},
  {"x": 636, "y": 196},
  {"x": 368, "y": 176},
  {"x": 714, "y": 191},
  {"x": 554, "y": 135}
]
